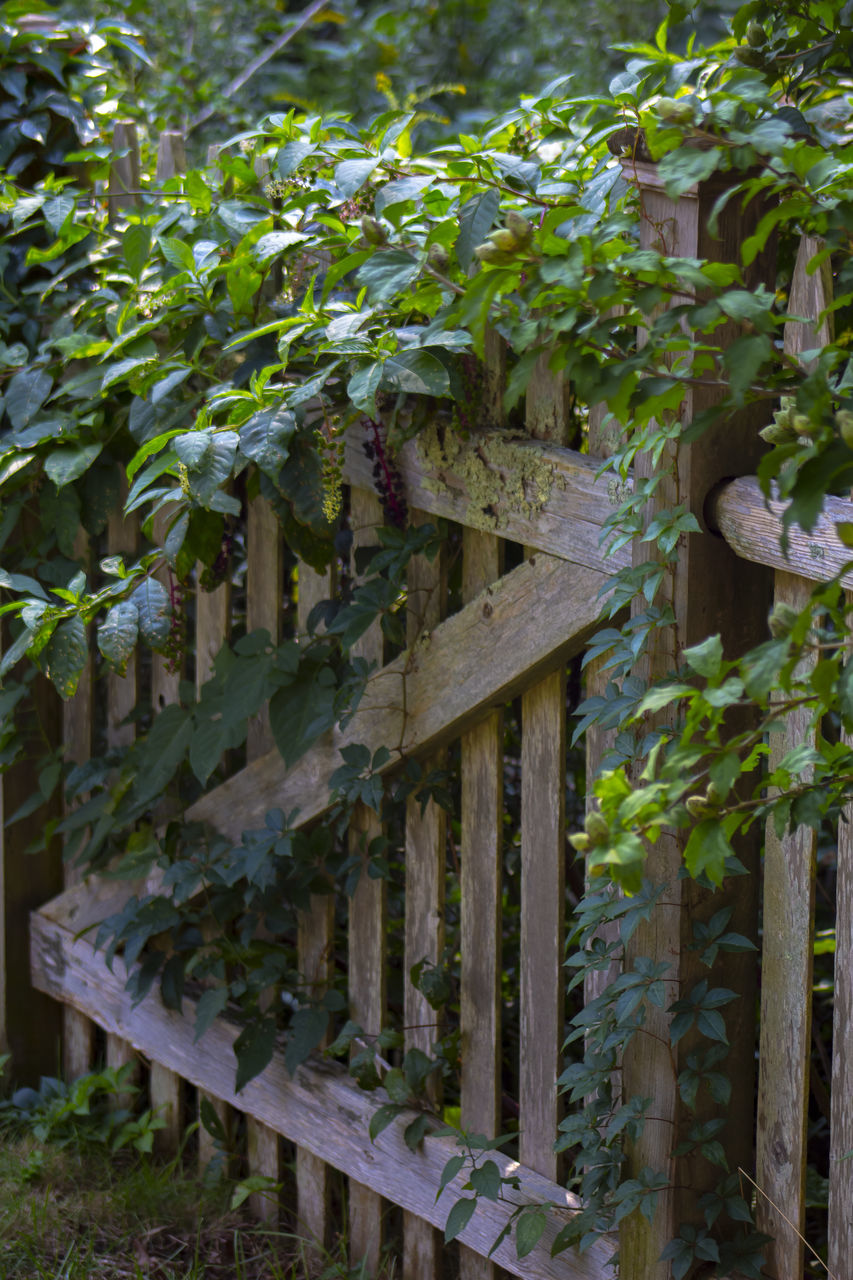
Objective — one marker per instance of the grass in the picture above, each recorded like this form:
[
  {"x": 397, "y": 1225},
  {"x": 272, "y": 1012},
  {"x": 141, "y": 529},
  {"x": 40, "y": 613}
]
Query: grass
[{"x": 82, "y": 1213}]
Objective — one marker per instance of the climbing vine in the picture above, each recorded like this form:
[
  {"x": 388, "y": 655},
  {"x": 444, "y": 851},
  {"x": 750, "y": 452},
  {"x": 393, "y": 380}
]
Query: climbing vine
[{"x": 225, "y": 337}]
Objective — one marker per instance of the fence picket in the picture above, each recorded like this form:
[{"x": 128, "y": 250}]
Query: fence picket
[
  {"x": 367, "y": 923},
  {"x": 543, "y": 856},
  {"x": 481, "y": 846},
  {"x": 426, "y": 837},
  {"x": 212, "y": 623},
  {"x": 840, "y": 1249},
  {"x": 124, "y": 169},
  {"x": 789, "y": 889},
  {"x": 315, "y": 950}
]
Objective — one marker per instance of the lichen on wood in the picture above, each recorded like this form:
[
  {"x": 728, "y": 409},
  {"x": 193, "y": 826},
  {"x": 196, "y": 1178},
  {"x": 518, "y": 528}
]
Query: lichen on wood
[{"x": 493, "y": 474}]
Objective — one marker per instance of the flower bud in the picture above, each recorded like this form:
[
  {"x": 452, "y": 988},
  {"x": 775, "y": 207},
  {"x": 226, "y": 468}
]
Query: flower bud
[
  {"x": 596, "y": 827},
  {"x": 488, "y": 252},
  {"x": 438, "y": 257},
  {"x": 773, "y": 433},
  {"x": 504, "y": 239},
  {"x": 373, "y": 230},
  {"x": 756, "y": 35},
  {"x": 518, "y": 226},
  {"x": 580, "y": 841},
  {"x": 781, "y": 620}
]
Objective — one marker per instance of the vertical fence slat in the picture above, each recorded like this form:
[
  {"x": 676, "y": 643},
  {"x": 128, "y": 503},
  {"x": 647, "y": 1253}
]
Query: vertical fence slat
[
  {"x": 788, "y": 945},
  {"x": 425, "y": 887},
  {"x": 165, "y": 1088},
  {"x": 78, "y": 1031},
  {"x": 481, "y": 841},
  {"x": 840, "y": 1249},
  {"x": 315, "y": 947},
  {"x": 122, "y": 696},
  {"x": 263, "y": 609},
  {"x": 543, "y": 859},
  {"x": 212, "y": 621},
  {"x": 367, "y": 927},
  {"x": 124, "y": 169}
]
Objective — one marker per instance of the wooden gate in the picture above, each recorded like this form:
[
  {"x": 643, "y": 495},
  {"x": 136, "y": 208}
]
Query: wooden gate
[{"x": 511, "y": 637}]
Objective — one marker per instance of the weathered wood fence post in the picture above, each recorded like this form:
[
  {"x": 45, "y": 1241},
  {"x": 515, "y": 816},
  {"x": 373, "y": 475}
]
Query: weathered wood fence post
[{"x": 700, "y": 588}]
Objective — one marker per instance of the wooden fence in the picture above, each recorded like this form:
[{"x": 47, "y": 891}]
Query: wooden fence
[{"x": 511, "y": 637}]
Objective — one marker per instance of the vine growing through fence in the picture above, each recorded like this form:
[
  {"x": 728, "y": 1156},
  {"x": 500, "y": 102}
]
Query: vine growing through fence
[{"x": 217, "y": 344}]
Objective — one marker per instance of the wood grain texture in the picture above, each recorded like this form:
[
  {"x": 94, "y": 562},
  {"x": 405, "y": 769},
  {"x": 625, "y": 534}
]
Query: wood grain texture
[
  {"x": 790, "y": 863},
  {"x": 320, "y": 1108},
  {"x": 367, "y": 921},
  {"x": 535, "y": 616},
  {"x": 786, "y": 1007},
  {"x": 212, "y": 625},
  {"x": 476, "y": 483},
  {"x": 481, "y": 846},
  {"x": 315, "y": 949},
  {"x": 124, "y": 169},
  {"x": 78, "y": 1032},
  {"x": 739, "y": 615},
  {"x": 840, "y": 1243},
  {"x": 426, "y": 837},
  {"x": 264, "y": 597},
  {"x": 171, "y": 155},
  {"x": 543, "y": 857}
]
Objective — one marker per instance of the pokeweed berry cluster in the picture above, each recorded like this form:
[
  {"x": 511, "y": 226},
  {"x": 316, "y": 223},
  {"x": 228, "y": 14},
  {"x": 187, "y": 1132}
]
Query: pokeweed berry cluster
[
  {"x": 389, "y": 485},
  {"x": 175, "y": 647}
]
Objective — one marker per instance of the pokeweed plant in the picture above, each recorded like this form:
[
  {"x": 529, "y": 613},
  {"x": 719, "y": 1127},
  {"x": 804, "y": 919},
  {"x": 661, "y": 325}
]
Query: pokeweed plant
[{"x": 222, "y": 339}]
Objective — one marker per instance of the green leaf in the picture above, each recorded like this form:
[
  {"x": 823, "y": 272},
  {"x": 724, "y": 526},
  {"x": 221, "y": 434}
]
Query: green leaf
[
  {"x": 683, "y": 168},
  {"x": 25, "y": 395},
  {"x": 382, "y": 1117},
  {"x": 65, "y": 656},
  {"x": 302, "y": 711},
  {"x": 136, "y": 248},
  {"x": 528, "y": 1231},
  {"x": 486, "y": 1180},
  {"x": 458, "y": 1218},
  {"x": 388, "y": 272},
  {"x": 253, "y": 1049},
  {"x": 706, "y": 659},
  {"x": 417, "y": 1129},
  {"x": 363, "y": 386},
  {"x": 305, "y": 1034},
  {"x": 154, "y": 610},
  {"x": 210, "y": 1120},
  {"x": 449, "y": 1172},
  {"x": 177, "y": 253},
  {"x": 351, "y": 175},
  {"x": 64, "y": 465},
  {"x": 208, "y": 743},
  {"x": 193, "y": 448},
  {"x": 210, "y": 1004},
  {"x": 117, "y": 634},
  {"x": 417, "y": 372},
  {"x": 707, "y": 849},
  {"x": 265, "y": 439},
  {"x": 476, "y": 219}
]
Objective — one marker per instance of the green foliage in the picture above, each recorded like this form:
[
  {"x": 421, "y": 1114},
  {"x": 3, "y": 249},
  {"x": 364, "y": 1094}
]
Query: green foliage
[{"x": 216, "y": 343}]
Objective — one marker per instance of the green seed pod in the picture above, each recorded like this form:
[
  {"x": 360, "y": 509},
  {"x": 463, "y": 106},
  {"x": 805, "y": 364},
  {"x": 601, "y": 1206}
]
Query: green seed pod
[
  {"x": 518, "y": 226},
  {"x": 749, "y": 57},
  {"x": 674, "y": 111},
  {"x": 844, "y": 422},
  {"x": 713, "y": 794},
  {"x": 596, "y": 827},
  {"x": 488, "y": 252},
  {"x": 438, "y": 257},
  {"x": 580, "y": 841},
  {"x": 698, "y": 807},
  {"x": 781, "y": 620},
  {"x": 804, "y": 426},
  {"x": 756, "y": 35},
  {"x": 504, "y": 240},
  {"x": 773, "y": 433},
  {"x": 373, "y": 230}
]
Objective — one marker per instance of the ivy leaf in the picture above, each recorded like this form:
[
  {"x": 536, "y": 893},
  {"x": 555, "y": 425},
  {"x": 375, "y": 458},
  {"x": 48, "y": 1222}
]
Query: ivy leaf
[
  {"x": 25, "y": 395},
  {"x": 65, "y": 656},
  {"x": 154, "y": 609},
  {"x": 300, "y": 712},
  {"x": 415, "y": 1132},
  {"x": 117, "y": 634},
  {"x": 253, "y": 1049},
  {"x": 265, "y": 439},
  {"x": 306, "y": 1032},
  {"x": 210, "y": 1004},
  {"x": 208, "y": 743},
  {"x": 486, "y": 1180},
  {"x": 386, "y": 272},
  {"x": 707, "y": 849},
  {"x": 458, "y": 1218}
]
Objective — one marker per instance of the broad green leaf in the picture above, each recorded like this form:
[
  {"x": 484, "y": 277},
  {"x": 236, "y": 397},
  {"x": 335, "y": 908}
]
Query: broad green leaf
[
  {"x": 136, "y": 248},
  {"x": 64, "y": 465},
  {"x": 528, "y": 1231},
  {"x": 388, "y": 272},
  {"x": 210, "y": 1004},
  {"x": 486, "y": 1180},
  {"x": 416, "y": 371},
  {"x": 26, "y": 393},
  {"x": 177, "y": 253},
  {"x": 683, "y": 168},
  {"x": 193, "y": 448},
  {"x": 476, "y": 219},
  {"x": 351, "y": 175},
  {"x": 65, "y": 656},
  {"x": 382, "y": 1117},
  {"x": 265, "y": 439},
  {"x": 208, "y": 743},
  {"x": 253, "y": 1049},
  {"x": 707, "y": 849},
  {"x": 363, "y": 386},
  {"x": 458, "y": 1218},
  {"x": 305, "y": 1034},
  {"x": 706, "y": 659},
  {"x": 275, "y": 242},
  {"x": 118, "y": 633},
  {"x": 154, "y": 611},
  {"x": 302, "y": 711}
]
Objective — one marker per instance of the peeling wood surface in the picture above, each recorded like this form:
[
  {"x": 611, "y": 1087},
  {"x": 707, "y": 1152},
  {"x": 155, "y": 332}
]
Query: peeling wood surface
[
  {"x": 841, "y": 1126},
  {"x": 533, "y": 618},
  {"x": 321, "y": 1108}
]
